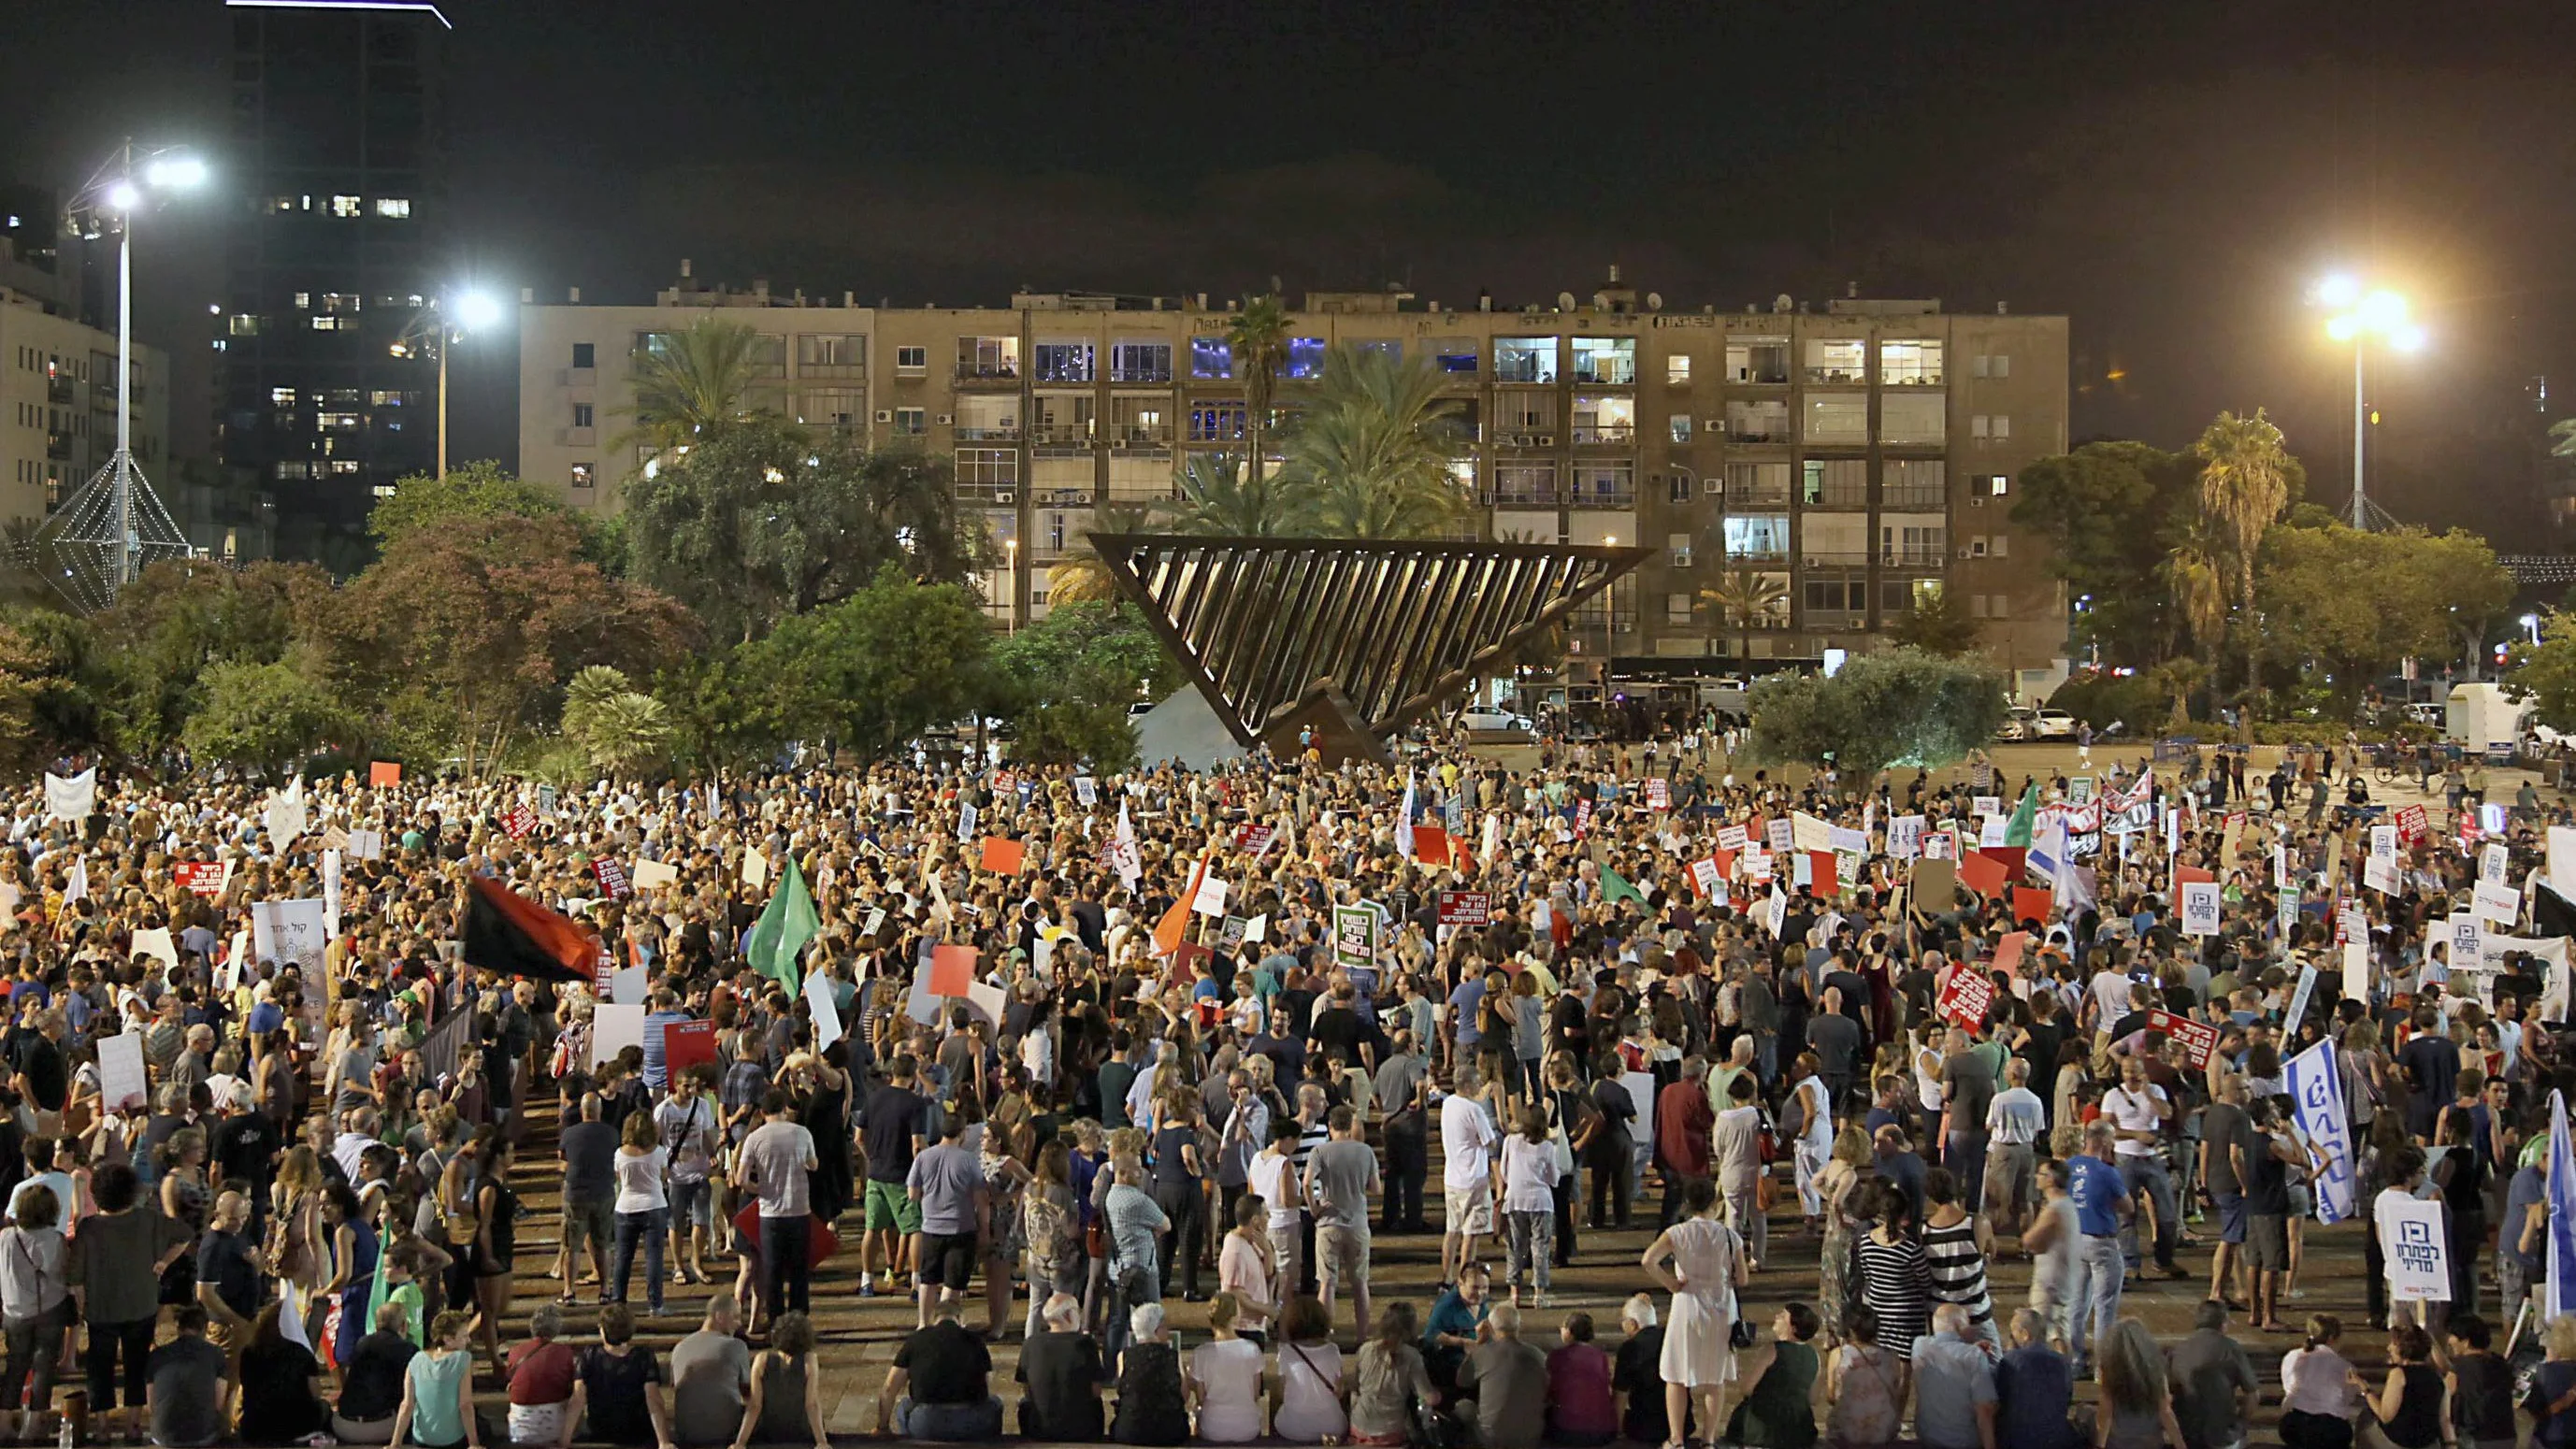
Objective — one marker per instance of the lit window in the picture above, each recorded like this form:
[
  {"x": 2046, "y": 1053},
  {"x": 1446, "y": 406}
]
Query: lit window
[
  {"x": 1677, "y": 370},
  {"x": 1681, "y": 425},
  {"x": 1056, "y": 362},
  {"x": 344, "y": 467},
  {"x": 344, "y": 206},
  {"x": 1611, "y": 360},
  {"x": 303, "y": 301},
  {"x": 294, "y": 470},
  {"x": 1211, "y": 358},
  {"x": 1524, "y": 359},
  {"x": 282, "y": 396},
  {"x": 335, "y": 422},
  {"x": 382, "y": 490},
  {"x": 581, "y": 475},
  {"x": 385, "y": 398},
  {"x": 1305, "y": 358},
  {"x": 328, "y": 323},
  {"x": 1998, "y": 484},
  {"x": 393, "y": 206},
  {"x": 277, "y": 204},
  {"x": 242, "y": 324}
]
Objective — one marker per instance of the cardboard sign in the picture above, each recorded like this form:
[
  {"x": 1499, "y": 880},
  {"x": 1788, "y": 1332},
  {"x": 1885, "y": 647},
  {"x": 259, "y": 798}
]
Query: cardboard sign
[
  {"x": 1983, "y": 874},
  {"x": 518, "y": 822},
  {"x": 1469, "y": 908},
  {"x": 2500, "y": 904},
  {"x": 654, "y": 874},
  {"x": 2200, "y": 908},
  {"x": 2416, "y": 1245},
  {"x": 1354, "y": 937},
  {"x": 383, "y": 774},
  {"x": 1935, "y": 884},
  {"x": 688, "y": 1044},
  {"x": 1732, "y": 837},
  {"x": 1210, "y": 901},
  {"x": 1659, "y": 793},
  {"x": 202, "y": 877},
  {"x": 952, "y": 970},
  {"x": 2008, "y": 951},
  {"x": 1086, "y": 791},
  {"x": 2379, "y": 873},
  {"x": 1820, "y": 872},
  {"x": 1964, "y": 1001},
  {"x": 755, "y": 869},
  {"x": 615, "y": 1026},
  {"x": 1809, "y": 832},
  {"x": 1003, "y": 856},
  {"x": 2197, "y": 1037},
  {"x": 2412, "y": 826}
]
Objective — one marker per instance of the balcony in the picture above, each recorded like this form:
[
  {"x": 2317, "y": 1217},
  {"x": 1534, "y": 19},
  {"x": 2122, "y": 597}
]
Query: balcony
[
  {"x": 1602, "y": 495},
  {"x": 1912, "y": 498},
  {"x": 1133, "y": 374},
  {"x": 1610, "y": 372},
  {"x": 1521, "y": 495},
  {"x": 1615, "y": 435},
  {"x": 987, "y": 494},
  {"x": 987, "y": 373},
  {"x": 1914, "y": 555},
  {"x": 58, "y": 447},
  {"x": 1835, "y": 558},
  {"x": 1757, "y": 497},
  {"x": 1140, "y": 435},
  {"x": 1747, "y": 555},
  {"x": 1853, "y": 495},
  {"x": 1061, "y": 435},
  {"x": 990, "y": 433},
  {"x": 1837, "y": 619}
]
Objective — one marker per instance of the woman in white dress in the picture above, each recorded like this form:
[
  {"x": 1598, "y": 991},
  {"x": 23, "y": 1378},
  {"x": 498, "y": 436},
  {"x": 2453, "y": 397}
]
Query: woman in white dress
[{"x": 1700, "y": 1261}]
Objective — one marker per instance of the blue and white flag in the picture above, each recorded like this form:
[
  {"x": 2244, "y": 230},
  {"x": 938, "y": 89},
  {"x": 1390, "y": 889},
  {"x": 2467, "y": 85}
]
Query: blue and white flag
[
  {"x": 2561, "y": 1195},
  {"x": 2315, "y": 1083},
  {"x": 1404, "y": 820}
]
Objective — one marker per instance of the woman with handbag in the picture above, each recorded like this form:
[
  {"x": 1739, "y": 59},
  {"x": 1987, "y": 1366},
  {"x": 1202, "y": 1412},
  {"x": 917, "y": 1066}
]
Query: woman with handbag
[{"x": 1700, "y": 1261}]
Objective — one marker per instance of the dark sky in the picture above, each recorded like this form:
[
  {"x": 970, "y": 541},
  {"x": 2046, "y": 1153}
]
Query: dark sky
[{"x": 2170, "y": 175}]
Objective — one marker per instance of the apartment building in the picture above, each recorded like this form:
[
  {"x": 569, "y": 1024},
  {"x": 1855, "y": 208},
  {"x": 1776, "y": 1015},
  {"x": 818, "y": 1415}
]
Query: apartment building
[
  {"x": 1860, "y": 454},
  {"x": 58, "y": 401}
]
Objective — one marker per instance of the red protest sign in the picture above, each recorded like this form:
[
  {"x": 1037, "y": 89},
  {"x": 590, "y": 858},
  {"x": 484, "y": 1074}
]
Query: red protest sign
[
  {"x": 1254, "y": 839},
  {"x": 2197, "y": 1037},
  {"x": 1466, "y": 908},
  {"x": 519, "y": 822},
  {"x": 1659, "y": 793},
  {"x": 2030, "y": 903},
  {"x": 1964, "y": 1000},
  {"x": 2412, "y": 827},
  {"x": 2008, "y": 950},
  {"x": 1820, "y": 872},
  {"x": 383, "y": 774},
  {"x": 687, "y": 1044},
  {"x": 1003, "y": 856},
  {"x": 952, "y": 970},
  {"x": 199, "y": 877},
  {"x": 612, "y": 878},
  {"x": 1982, "y": 873},
  {"x": 1431, "y": 845}
]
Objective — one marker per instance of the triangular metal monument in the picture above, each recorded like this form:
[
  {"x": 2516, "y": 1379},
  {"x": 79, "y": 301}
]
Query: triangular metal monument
[
  {"x": 104, "y": 536},
  {"x": 1357, "y": 638}
]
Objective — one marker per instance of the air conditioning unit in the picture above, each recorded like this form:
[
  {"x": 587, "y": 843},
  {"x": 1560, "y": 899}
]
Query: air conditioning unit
[
  {"x": 885, "y": 415},
  {"x": 1005, "y": 495},
  {"x": 1547, "y": 440},
  {"x": 946, "y": 418},
  {"x": 1963, "y": 551},
  {"x": 1976, "y": 502}
]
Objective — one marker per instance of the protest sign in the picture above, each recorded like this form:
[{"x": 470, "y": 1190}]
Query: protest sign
[
  {"x": 2411, "y": 825},
  {"x": 289, "y": 931},
  {"x": 156, "y": 943},
  {"x": 1002, "y": 855},
  {"x": 1732, "y": 837},
  {"x": 653, "y": 874},
  {"x": 615, "y": 1026},
  {"x": 1781, "y": 838},
  {"x": 2414, "y": 1243},
  {"x": 2029, "y": 903},
  {"x": 1254, "y": 840},
  {"x": 1809, "y": 832},
  {"x": 121, "y": 1082},
  {"x": 952, "y": 970},
  {"x": 688, "y": 1044},
  {"x": 1466, "y": 908},
  {"x": 2383, "y": 842},
  {"x": 1905, "y": 837},
  {"x": 202, "y": 877},
  {"x": 2492, "y": 862},
  {"x": 2299, "y": 998},
  {"x": 1086, "y": 791},
  {"x": 612, "y": 878},
  {"x": 2379, "y": 873},
  {"x": 1354, "y": 937},
  {"x": 1964, "y": 1001},
  {"x": 1230, "y": 934},
  {"x": 2200, "y": 908},
  {"x": 2498, "y": 903},
  {"x": 1935, "y": 885},
  {"x": 72, "y": 799},
  {"x": 1211, "y": 897},
  {"x": 383, "y": 774},
  {"x": 1659, "y": 793},
  {"x": 518, "y": 821},
  {"x": 826, "y": 1010},
  {"x": 755, "y": 869},
  {"x": 2198, "y": 1038}
]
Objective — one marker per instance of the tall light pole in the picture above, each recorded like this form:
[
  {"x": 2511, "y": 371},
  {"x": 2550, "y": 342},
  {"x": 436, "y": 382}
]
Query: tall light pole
[
  {"x": 2360, "y": 316},
  {"x": 434, "y": 329},
  {"x": 115, "y": 525}
]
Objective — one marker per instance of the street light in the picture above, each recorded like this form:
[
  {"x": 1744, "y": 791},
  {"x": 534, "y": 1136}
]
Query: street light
[
  {"x": 2361, "y": 315},
  {"x": 115, "y": 523},
  {"x": 445, "y": 320},
  {"x": 1011, "y": 566}
]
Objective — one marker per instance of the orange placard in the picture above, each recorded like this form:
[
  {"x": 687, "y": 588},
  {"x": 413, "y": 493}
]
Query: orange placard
[
  {"x": 2192, "y": 875},
  {"x": 952, "y": 970},
  {"x": 1003, "y": 856},
  {"x": 383, "y": 774},
  {"x": 1982, "y": 873},
  {"x": 2030, "y": 903}
]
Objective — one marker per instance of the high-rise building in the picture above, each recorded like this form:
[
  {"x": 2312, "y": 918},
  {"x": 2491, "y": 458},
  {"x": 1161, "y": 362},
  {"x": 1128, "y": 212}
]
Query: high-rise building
[
  {"x": 1853, "y": 458},
  {"x": 58, "y": 407},
  {"x": 337, "y": 154}
]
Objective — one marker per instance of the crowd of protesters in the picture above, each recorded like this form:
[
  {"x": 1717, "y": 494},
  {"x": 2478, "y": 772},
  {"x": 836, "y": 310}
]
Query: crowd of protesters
[{"x": 1220, "y": 1030}]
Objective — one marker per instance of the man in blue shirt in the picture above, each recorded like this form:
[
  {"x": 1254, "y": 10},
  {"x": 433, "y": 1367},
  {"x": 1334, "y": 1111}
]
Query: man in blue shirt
[{"x": 2102, "y": 1204}]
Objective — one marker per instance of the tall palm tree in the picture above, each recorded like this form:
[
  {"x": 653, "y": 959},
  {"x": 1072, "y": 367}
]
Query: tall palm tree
[
  {"x": 2197, "y": 581},
  {"x": 1372, "y": 455},
  {"x": 1080, "y": 577},
  {"x": 702, "y": 376},
  {"x": 2244, "y": 485},
  {"x": 1219, "y": 496},
  {"x": 1739, "y": 597},
  {"x": 1258, "y": 338}
]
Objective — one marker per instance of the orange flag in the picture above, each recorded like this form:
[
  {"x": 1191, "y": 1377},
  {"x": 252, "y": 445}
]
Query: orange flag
[{"x": 1168, "y": 931}]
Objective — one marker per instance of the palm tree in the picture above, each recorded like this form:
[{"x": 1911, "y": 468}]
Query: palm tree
[
  {"x": 1219, "y": 496},
  {"x": 2176, "y": 680},
  {"x": 1258, "y": 339},
  {"x": 1372, "y": 457},
  {"x": 700, "y": 377},
  {"x": 2198, "y": 585},
  {"x": 1080, "y": 577},
  {"x": 2244, "y": 485},
  {"x": 1740, "y": 596}
]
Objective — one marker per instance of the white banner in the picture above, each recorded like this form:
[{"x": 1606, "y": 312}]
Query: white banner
[
  {"x": 2316, "y": 1093},
  {"x": 72, "y": 800},
  {"x": 331, "y": 893},
  {"x": 2411, "y": 1241},
  {"x": 284, "y": 931},
  {"x": 287, "y": 816},
  {"x": 2200, "y": 908}
]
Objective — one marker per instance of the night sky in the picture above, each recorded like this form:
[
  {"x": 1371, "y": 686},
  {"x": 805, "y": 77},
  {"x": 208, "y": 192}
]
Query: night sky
[{"x": 2170, "y": 175}]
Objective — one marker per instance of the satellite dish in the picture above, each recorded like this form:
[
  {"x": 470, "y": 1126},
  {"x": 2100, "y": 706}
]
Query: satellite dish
[
  {"x": 1784, "y": 303},
  {"x": 1654, "y": 301},
  {"x": 1565, "y": 301},
  {"x": 1601, "y": 301}
]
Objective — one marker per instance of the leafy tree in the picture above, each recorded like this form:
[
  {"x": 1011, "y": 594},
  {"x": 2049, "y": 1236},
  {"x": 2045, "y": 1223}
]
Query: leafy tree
[
  {"x": 467, "y": 632},
  {"x": 2247, "y": 478},
  {"x": 871, "y": 671},
  {"x": 2109, "y": 510},
  {"x": 695, "y": 381},
  {"x": 1898, "y": 706},
  {"x": 1258, "y": 340},
  {"x": 265, "y": 718},
  {"x": 1739, "y": 597},
  {"x": 2545, "y": 673},
  {"x": 475, "y": 490},
  {"x": 2475, "y": 592},
  {"x": 760, "y": 522},
  {"x": 1940, "y": 625},
  {"x": 613, "y": 726},
  {"x": 1068, "y": 680},
  {"x": 181, "y": 617},
  {"x": 1218, "y": 496},
  {"x": 1371, "y": 457},
  {"x": 2345, "y": 606},
  {"x": 1080, "y": 577}
]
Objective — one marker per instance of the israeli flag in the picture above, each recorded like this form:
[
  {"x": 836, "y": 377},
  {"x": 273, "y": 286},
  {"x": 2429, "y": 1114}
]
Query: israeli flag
[
  {"x": 2561, "y": 1192},
  {"x": 2315, "y": 1082}
]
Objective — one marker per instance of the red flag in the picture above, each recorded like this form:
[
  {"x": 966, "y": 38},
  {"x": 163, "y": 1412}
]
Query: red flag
[
  {"x": 2029, "y": 903},
  {"x": 1983, "y": 874},
  {"x": 510, "y": 934}
]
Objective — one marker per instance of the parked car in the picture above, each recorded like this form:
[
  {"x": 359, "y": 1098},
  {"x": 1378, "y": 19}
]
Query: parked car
[
  {"x": 2052, "y": 724},
  {"x": 1491, "y": 719},
  {"x": 2021, "y": 722}
]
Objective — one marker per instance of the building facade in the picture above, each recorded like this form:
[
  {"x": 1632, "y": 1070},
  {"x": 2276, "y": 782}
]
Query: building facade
[
  {"x": 1858, "y": 456},
  {"x": 58, "y": 407},
  {"x": 332, "y": 260}
]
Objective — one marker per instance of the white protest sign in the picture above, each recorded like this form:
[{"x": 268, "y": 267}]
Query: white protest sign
[
  {"x": 72, "y": 800},
  {"x": 652, "y": 874},
  {"x": 2356, "y": 968},
  {"x": 2498, "y": 903},
  {"x": 2468, "y": 942},
  {"x": 1257, "y": 929},
  {"x": 1985, "y": 805},
  {"x": 1210, "y": 901},
  {"x": 366, "y": 845},
  {"x": 2413, "y": 1243},
  {"x": 2562, "y": 860},
  {"x": 1086, "y": 791},
  {"x": 1992, "y": 830},
  {"x": 630, "y": 985},
  {"x": 1905, "y": 837},
  {"x": 331, "y": 892},
  {"x": 987, "y": 1001},
  {"x": 285, "y": 931},
  {"x": 1779, "y": 836},
  {"x": 615, "y": 1026},
  {"x": 157, "y": 944},
  {"x": 2379, "y": 873},
  {"x": 755, "y": 869},
  {"x": 121, "y": 1082},
  {"x": 1848, "y": 841},
  {"x": 2200, "y": 908},
  {"x": 1809, "y": 832},
  {"x": 2492, "y": 862},
  {"x": 286, "y": 816},
  {"x": 827, "y": 1011},
  {"x": 1732, "y": 837},
  {"x": 2383, "y": 842}
]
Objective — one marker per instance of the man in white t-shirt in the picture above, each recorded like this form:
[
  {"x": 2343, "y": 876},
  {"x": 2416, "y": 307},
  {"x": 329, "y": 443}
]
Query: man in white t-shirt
[
  {"x": 2014, "y": 1121},
  {"x": 2110, "y": 995},
  {"x": 1273, "y": 1176},
  {"x": 1468, "y": 1137},
  {"x": 2139, "y": 1111}
]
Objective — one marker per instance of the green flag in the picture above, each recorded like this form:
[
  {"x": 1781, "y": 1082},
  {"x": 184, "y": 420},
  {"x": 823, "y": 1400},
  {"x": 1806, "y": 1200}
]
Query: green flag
[
  {"x": 2018, "y": 832},
  {"x": 785, "y": 926},
  {"x": 1615, "y": 885}
]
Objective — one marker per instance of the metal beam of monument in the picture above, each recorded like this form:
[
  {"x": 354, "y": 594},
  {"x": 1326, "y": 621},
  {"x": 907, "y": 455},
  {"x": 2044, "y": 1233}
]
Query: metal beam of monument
[{"x": 1357, "y": 637}]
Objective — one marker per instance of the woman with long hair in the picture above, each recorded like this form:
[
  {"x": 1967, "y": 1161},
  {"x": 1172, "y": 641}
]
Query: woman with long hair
[
  {"x": 1838, "y": 1189},
  {"x": 1310, "y": 1390},
  {"x": 281, "y": 1395},
  {"x": 1700, "y": 1261},
  {"x": 1223, "y": 1376},
  {"x": 2133, "y": 1404},
  {"x": 643, "y": 1209},
  {"x": 1389, "y": 1378},
  {"x": 1528, "y": 1205},
  {"x": 35, "y": 1305}
]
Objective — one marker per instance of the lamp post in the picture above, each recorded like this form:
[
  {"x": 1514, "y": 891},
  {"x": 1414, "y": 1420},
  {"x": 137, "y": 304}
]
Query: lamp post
[
  {"x": 1011, "y": 567},
  {"x": 2360, "y": 316},
  {"x": 115, "y": 524},
  {"x": 474, "y": 312}
]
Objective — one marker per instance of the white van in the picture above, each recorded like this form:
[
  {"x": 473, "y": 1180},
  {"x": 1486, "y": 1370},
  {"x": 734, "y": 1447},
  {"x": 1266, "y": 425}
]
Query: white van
[{"x": 2481, "y": 718}]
